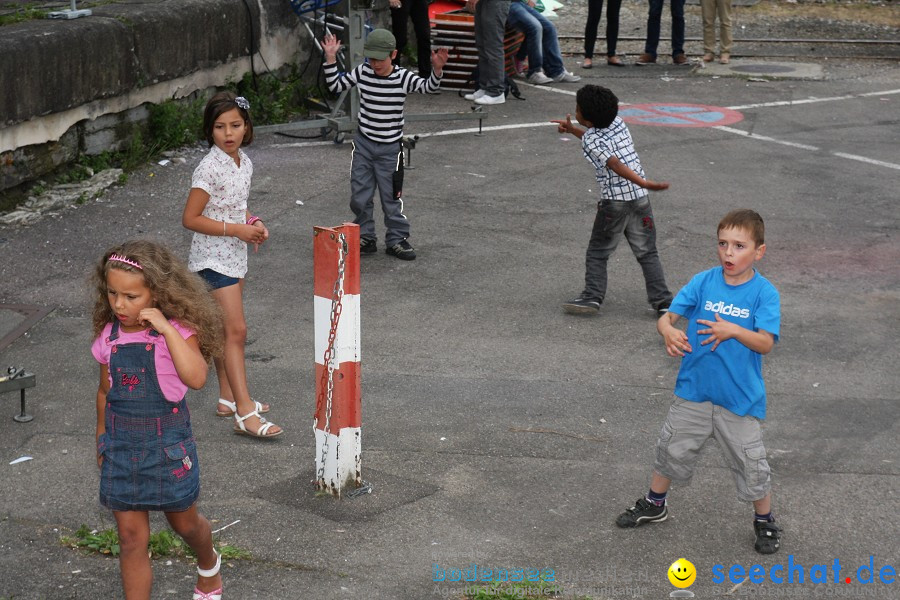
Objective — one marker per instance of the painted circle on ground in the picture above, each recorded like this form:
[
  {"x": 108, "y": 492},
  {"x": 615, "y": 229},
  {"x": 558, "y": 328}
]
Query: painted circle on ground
[{"x": 679, "y": 115}]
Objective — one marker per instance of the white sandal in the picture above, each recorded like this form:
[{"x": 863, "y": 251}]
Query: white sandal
[
  {"x": 260, "y": 407},
  {"x": 262, "y": 432},
  {"x": 215, "y": 594}
]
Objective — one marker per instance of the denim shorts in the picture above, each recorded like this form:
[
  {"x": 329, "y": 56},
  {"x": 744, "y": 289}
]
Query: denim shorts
[
  {"x": 216, "y": 280},
  {"x": 687, "y": 428}
]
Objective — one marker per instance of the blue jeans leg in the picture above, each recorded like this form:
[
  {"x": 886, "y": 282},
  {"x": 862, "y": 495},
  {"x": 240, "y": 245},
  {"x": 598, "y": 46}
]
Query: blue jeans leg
[
  {"x": 521, "y": 19},
  {"x": 553, "y": 64}
]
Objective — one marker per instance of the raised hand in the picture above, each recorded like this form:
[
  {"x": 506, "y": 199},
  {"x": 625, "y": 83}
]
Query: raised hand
[
  {"x": 439, "y": 58},
  {"x": 330, "y": 46}
]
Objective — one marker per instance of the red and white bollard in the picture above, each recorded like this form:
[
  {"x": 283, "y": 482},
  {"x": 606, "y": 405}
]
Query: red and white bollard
[{"x": 338, "y": 414}]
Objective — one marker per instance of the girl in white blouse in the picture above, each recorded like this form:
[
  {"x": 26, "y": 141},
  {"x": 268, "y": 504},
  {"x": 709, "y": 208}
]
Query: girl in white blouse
[{"x": 216, "y": 211}]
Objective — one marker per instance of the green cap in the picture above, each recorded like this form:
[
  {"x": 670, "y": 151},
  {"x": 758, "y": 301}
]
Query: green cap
[{"x": 379, "y": 44}]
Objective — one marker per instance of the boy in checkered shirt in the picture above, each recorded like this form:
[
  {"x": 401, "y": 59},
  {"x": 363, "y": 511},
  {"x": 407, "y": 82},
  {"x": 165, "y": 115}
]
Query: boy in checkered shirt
[{"x": 624, "y": 206}]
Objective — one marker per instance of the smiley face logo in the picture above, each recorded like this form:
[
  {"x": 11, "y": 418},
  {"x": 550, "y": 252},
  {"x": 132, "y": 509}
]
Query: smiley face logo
[{"x": 682, "y": 573}]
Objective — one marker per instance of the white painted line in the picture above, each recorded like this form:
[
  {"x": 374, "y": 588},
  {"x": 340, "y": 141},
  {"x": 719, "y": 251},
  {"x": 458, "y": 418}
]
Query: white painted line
[
  {"x": 764, "y": 138},
  {"x": 305, "y": 144},
  {"x": 871, "y": 161},
  {"x": 493, "y": 128},
  {"x": 814, "y": 100},
  {"x": 746, "y": 134},
  {"x": 549, "y": 89}
]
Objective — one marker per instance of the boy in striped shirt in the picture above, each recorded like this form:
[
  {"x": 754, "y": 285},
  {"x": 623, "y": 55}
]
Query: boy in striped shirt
[{"x": 377, "y": 150}]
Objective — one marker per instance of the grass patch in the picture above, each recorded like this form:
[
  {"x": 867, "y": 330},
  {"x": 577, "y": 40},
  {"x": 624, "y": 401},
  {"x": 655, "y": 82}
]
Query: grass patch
[
  {"x": 163, "y": 544},
  {"x": 274, "y": 100},
  {"x": 21, "y": 13}
]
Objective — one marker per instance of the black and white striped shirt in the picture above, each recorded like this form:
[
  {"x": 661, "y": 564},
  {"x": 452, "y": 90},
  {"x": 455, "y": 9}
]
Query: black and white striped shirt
[{"x": 381, "y": 99}]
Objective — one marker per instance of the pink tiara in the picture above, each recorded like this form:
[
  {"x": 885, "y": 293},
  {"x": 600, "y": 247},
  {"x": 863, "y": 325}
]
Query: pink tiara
[{"x": 127, "y": 261}]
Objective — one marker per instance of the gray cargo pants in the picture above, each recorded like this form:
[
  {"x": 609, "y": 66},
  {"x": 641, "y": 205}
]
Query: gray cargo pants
[{"x": 378, "y": 164}]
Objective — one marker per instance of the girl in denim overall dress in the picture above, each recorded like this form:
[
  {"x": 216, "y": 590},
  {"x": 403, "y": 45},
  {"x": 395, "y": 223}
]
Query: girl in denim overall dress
[{"x": 156, "y": 329}]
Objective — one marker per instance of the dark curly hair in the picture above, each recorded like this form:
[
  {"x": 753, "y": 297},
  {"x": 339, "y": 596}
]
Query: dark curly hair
[
  {"x": 180, "y": 294},
  {"x": 598, "y": 105},
  {"x": 221, "y": 103}
]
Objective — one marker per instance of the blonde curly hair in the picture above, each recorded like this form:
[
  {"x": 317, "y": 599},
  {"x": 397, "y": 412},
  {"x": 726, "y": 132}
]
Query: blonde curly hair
[{"x": 180, "y": 294}]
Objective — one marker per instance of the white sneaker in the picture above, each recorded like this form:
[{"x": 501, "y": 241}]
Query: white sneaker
[
  {"x": 567, "y": 77},
  {"x": 475, "y": 95},
  {"x": 538, "y": 78},
  {"x": 486, "y": 99}
]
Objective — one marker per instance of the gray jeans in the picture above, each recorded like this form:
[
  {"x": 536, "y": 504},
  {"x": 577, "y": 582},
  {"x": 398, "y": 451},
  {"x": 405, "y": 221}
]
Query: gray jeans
[
  {"x": 635, "y": 220},
  {"x": 490, "y": 29},
  {"x": 377, "y": 164}
]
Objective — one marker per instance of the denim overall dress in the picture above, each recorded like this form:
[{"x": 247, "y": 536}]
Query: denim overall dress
[{"x": 149, "y": 455}]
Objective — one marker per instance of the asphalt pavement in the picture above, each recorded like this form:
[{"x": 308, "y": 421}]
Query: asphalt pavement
[{"x": 497, "y": 430}]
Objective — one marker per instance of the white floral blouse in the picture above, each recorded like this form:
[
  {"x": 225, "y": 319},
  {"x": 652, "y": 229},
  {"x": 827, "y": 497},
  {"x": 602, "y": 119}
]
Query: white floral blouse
[{"x": 228, "y": 187}]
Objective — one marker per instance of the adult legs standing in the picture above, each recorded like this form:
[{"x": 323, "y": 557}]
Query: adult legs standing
[
  {"x": 612, "y": 26},
  {"x": 725, "y": 40},
  {"x": 654, "y": 16},
  {"x": 490, "y": 24},
  {"x": 595, "y": 7},
  {"x": 708, "y": 13},
  {"x": 417, "y": 10},
  {"x": 677, "y": 10}
]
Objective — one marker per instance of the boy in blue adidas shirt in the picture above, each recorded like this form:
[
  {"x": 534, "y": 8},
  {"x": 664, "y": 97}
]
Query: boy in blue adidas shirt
[{"x": 733, "y": 317}]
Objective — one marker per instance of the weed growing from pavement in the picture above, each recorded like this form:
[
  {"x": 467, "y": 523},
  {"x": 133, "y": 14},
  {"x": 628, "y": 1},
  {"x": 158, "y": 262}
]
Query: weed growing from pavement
[{"x": 163, "y": 544}]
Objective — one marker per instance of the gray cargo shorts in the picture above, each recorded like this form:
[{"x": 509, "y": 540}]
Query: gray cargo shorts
[{"x": 689, "y": 424}]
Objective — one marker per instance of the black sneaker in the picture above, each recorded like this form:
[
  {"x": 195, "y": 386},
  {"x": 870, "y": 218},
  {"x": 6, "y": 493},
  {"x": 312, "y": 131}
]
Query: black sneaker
[
  {"x": 582, "y": 305},
  {"x": 663, "y": 308},
  {"x": 642, "y": 512},
  {"x": 402, "y": 250},
  {"x": 768, "y": 537},
  {"x": 367, "y": 246}
]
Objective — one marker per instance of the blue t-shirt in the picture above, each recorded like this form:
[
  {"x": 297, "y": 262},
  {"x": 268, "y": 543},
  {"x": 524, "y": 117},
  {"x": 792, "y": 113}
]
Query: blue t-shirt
[{"x": 731, "y": 376}]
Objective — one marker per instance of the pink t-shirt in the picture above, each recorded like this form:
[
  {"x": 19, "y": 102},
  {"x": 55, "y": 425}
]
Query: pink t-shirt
[{"x": 172, "y": 387}]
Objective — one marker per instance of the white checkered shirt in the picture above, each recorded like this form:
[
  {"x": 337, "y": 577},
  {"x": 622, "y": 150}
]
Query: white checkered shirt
[{"x": 599, "y": 146}]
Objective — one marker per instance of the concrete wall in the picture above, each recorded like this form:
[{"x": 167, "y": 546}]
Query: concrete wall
[{"x": 70, "y": 86}]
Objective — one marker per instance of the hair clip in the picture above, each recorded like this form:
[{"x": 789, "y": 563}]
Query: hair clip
[
  {"x": 122, "y": 259},
  {"x": 242, "y": 102}
]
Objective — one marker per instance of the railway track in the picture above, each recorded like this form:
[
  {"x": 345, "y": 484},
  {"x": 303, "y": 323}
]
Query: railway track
[{"x": 772, "y": 48}]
